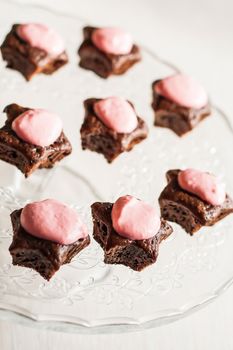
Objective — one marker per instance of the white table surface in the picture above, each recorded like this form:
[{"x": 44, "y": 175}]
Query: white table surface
[{"x": 197, "y": 36}]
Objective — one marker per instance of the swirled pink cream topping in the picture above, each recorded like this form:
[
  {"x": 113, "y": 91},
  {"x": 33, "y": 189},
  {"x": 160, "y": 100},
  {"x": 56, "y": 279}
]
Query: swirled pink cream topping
[
  {"x": 53, "y": 221},
  {"x": 40, "y": 36},
  {"x": 38, "y": 127},
  {"x": 206, "y": 186},
  {"x": 117, "y": 114},
  {"x": 112, "y": 40},
  {"x": 183, "y": 90},
  {"x": 134, "y": 219}
]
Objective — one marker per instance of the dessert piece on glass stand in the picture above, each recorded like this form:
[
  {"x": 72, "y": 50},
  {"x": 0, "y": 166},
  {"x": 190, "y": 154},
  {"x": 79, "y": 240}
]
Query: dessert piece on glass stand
[
  {"x": 108, "y": 51},
  {"x": 194, "y": 199},
  {"x": 111, "y": 127},
  {"x": 180, "y": 103},
  {"x": 33, "y": 48},
  {"x": 46, "y": 235},
  {"x": 32, "y": 139},
  {"x": 129, "y": 232}
]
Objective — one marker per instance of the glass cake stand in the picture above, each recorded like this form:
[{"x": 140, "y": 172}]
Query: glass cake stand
[{"x": 88, "y": 296}]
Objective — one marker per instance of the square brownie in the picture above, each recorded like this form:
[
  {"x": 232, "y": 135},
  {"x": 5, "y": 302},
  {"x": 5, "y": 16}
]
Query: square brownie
[
  {"x": 136, "y": 254},
  {"x": 46, "y": 257},
  {"x": 169, "y": 114},
  {"x": 187, "y": 209},
  {"x": 29, "y": 60},
  {"x": 25, "y": 156},
  {"x": 97, "y": 137},
  {"x": 105, "y": 64}
]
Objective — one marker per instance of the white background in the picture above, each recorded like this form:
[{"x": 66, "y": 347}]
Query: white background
[{"x": 197, "y": 36}]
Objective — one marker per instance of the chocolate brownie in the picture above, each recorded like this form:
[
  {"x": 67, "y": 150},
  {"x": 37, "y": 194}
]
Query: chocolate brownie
[
  {"x": 137, "y": 254},
  {"x": 97, "y": 137},
  {"x": 169, "y": 114},
  {"x": 25, "y": 156},
  {"x": 105, "y": 64},
  {"x": 29, "y": 60},
  {"x": 46, "y": 257},
  {"x": 187, "y": 209}
]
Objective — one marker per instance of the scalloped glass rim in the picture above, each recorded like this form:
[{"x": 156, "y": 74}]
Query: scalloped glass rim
[
  {"x": 107, "y": 325},
  {"x": 110, "y": 327}
]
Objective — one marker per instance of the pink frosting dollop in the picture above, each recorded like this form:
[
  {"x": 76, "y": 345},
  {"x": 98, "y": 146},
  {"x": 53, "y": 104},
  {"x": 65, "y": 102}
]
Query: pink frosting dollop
[
  {"x": 38, "y": 127},
  {"x": 53, "y": 221},
  {"x": 112, "y": 40},
  {"x": 117, "y": 114},
  {"x": 183, "y": 90},
  {"x": 40, "y": 36},
  {"x": 206, "y": 186},
  {"x": 134, "y": 219}
]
